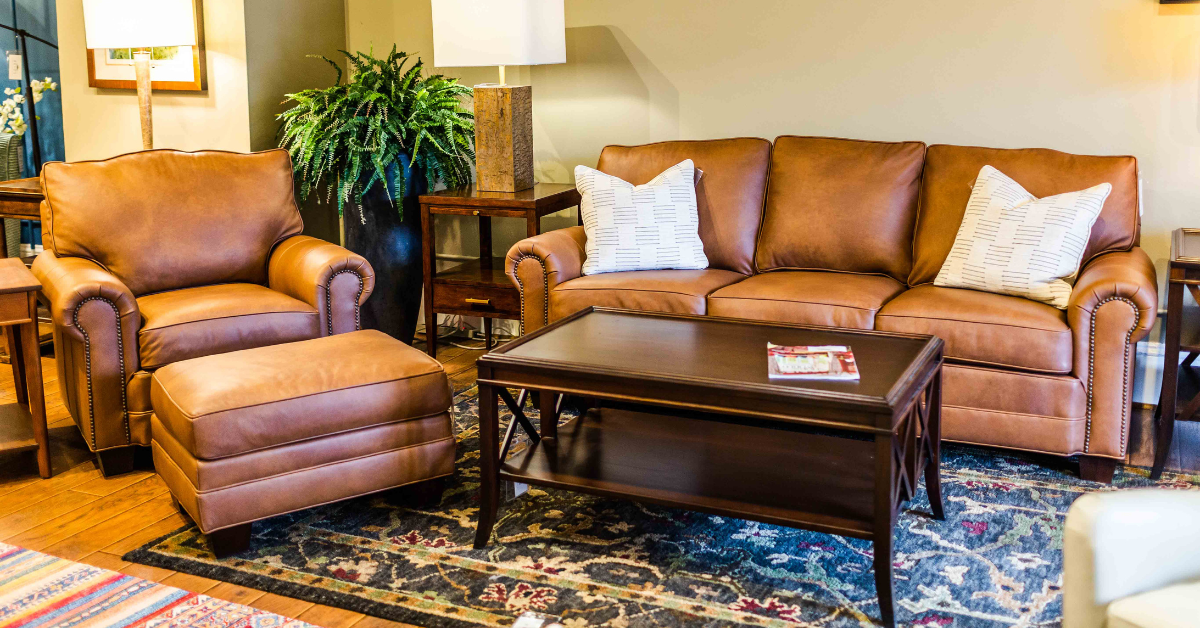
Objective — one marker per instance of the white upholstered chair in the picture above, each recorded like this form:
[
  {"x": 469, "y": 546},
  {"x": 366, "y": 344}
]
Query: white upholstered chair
[{"x": 1132, "y": 559}]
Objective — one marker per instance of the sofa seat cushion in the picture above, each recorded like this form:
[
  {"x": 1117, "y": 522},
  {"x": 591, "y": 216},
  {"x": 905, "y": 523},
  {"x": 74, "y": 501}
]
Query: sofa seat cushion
[
  {"x": 246, "y": 401},
  {"x": 195, "y": 322},
  {"x": 675, "y": 291},
  {"x": 984, "y": 328},
  {"x": 807, "y": 297}
]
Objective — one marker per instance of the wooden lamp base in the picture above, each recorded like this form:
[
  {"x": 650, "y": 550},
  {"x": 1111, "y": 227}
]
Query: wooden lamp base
[{"x": 503, "y": 137}]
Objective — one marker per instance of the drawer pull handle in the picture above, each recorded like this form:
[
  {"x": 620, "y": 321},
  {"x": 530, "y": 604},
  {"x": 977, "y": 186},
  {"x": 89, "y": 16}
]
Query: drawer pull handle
[{"x": 479, "y": 301}]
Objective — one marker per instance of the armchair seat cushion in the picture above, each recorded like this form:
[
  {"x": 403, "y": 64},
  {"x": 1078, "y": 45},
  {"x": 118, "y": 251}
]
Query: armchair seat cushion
[
  {"x": 984, "y": 328},
  {"x": 807, "y": 297},
  {"x": 195, "y": 322},
  {"x": 674, "y": 291},
  {"x": 1175, "y": 606}
]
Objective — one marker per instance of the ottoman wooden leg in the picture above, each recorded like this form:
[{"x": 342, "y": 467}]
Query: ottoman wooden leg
[
  {"x": 427, "y": 493},
  {"x": 230, "y": 540}
]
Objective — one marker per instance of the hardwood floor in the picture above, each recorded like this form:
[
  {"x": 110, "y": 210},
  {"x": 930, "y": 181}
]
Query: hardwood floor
[{"x": 81, "y": 516}]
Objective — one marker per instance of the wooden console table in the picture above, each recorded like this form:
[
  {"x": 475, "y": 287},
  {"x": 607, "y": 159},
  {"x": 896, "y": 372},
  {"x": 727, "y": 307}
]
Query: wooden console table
[
  {"x": 479, "y": 287},
  {"x": 20, "y": 199},
  {"x": 23, "y": 424}
]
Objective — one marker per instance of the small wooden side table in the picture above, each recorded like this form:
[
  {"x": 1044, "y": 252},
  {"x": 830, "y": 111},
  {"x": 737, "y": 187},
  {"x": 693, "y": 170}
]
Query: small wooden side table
[
  {"x": 23, "y": 424},
  {"x": 479, "y": 287}
]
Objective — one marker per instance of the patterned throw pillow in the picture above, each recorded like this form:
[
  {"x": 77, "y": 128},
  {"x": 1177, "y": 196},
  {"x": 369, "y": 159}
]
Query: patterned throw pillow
[
  {"x": 643, "y": 227},
  {"x": 1012, "y": 242}
]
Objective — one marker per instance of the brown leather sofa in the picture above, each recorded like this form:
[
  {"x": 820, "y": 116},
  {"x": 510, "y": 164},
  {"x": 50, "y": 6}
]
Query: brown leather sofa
[
  {"x": 849, "y": 233},
  {"x": 161, "y": 256}
]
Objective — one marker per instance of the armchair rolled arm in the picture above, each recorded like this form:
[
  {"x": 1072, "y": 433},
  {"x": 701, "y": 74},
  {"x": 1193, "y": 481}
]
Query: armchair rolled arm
[
  {"x": 1113, "y": 305},
  {"x": 1122, "y": 543},
  {"x": 326, "y": 276},
  {"x": 96, "y": 322},
  {"x": 536, "y": 265}
]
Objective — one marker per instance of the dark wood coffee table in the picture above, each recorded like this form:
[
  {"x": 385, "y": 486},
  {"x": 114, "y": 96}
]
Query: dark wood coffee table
[{"x": 687, "y": 417}]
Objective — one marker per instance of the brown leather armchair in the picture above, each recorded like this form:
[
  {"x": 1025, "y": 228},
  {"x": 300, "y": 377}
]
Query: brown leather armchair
[{"x": 162, "y": 256}]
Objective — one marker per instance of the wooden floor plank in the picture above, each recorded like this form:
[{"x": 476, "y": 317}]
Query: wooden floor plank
[
  {"x": 32, "y": 516},
  {"x": 188, "y": 582},
  {"x": 146, "y": 572},
  {"x": 42, "y": 490},
  {"x": 103, "y": 486},
  {"x": 98, "y": 510},
  {"x": 105, "y": 560},
  {"x": 159, "y": 528},
  {"x": 280, "y": 605},
  {"x": 376, "y": 622},
  {"x": 123, "y": 525},
  {"x": 235, "y": 593},
  {"x": 330, "y": 617}
]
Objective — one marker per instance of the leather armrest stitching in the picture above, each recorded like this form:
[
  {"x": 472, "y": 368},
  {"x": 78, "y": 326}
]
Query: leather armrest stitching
[
  {"x": 87, "y": 351},
  {"x": 521, "y": 288},
  {"x": 362, "y": 285},
  {"x": 1137, "y": 316}
]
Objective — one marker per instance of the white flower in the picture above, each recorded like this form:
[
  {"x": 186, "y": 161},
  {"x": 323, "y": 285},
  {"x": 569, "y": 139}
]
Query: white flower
[
  {"x": 19, "y": 99},
  {"x": 35, "y": 85},
  {"x": 8, "y": 91}
]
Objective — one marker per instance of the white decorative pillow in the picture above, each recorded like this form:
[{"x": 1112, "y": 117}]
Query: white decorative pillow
[
  {"x": 644, "y": 227},
  {"x": 1012, "y": 242}
]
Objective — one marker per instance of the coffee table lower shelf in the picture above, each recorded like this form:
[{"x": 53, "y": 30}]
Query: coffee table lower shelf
[{"x": 801, "y": 479}]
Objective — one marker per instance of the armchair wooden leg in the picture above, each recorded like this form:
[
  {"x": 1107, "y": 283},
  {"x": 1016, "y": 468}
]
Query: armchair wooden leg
[
  {"x": 116, "y": 461},
  {"x": 1097, "y": 469},
  {"x": 230, "y": 540}
]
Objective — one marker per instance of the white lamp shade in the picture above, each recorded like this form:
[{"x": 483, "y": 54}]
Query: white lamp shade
[
  {"x": 498, "y": 32},
  {"x": 139, "y": 23}
]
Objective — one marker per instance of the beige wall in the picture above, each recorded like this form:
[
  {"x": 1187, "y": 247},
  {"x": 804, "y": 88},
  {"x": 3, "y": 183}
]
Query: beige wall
[
  {"x": 100, "y": 123},
  {"x": 1086, "y": 76}
]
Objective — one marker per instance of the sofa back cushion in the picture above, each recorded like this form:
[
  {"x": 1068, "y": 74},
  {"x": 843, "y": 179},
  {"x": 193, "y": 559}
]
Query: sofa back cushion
[
  {"x": 729, "y": 197},
  {"x": 843, "y": 205},
  {"x": 950, "y": 173},
  {"x": 162, "y": 220}
]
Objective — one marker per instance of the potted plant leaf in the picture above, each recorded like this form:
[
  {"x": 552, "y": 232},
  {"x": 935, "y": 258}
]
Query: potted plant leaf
[{"x": 374, "y": 143}]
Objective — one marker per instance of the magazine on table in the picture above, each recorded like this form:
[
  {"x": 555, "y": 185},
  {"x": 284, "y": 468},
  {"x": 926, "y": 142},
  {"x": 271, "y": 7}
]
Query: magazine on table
[{"x": 828, "y": 362}]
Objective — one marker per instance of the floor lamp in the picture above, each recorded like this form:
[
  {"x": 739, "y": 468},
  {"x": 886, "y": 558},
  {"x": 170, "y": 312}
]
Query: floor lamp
[{"x": 140, "y": 25}]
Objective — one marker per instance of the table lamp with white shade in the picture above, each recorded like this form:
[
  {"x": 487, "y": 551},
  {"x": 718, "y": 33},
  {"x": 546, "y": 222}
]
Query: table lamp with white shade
[
  {"x": 469, "y": 33},
  {"x": 140, "y": 25}
]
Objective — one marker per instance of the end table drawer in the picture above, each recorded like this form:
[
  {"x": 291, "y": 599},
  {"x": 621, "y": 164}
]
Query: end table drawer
[{"x": 484, "y": 300}]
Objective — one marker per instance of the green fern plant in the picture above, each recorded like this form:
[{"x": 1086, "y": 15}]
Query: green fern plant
[{"x": 344, "y": 138}]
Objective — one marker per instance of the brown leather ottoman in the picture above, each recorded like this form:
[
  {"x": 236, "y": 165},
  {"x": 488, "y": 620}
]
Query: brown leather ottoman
[{"x": 247, "y": 435}]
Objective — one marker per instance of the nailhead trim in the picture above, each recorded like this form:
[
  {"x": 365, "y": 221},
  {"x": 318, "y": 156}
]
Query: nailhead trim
[
  {"x": 1137, "y": 316},
  {"x": 87, "y": 352},
  {"x": 329, "y": 299},
  {"x": 521, "y": 287}
]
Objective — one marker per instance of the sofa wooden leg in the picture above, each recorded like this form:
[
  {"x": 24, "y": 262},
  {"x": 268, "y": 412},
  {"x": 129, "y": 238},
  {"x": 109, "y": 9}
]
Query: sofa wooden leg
[
  {"x": 230, "y": 540},
  {"x": 1097, "y": 469},
  {"x": 116, "y": 461}
]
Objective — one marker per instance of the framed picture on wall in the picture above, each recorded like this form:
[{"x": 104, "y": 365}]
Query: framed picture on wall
[{"x": 175, "y": 68}]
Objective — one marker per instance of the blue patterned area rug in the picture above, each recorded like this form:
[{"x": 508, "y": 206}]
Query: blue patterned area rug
[{"x": 995, "y": 561}]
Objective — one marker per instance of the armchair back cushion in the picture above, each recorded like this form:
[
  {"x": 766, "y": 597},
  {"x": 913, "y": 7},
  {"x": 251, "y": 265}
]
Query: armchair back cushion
[
  {"x": 729, "y": 197},
  {"x": 844, "y": 205},
  {"x": 950, "y": 172},
  {"x": 163, "y": 220}
]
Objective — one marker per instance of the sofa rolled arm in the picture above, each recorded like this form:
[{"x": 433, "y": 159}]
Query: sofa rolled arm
[
  {"x": 1121, "y": 543},
  {"x": 96, "y": 321},
  {"x": 326, "y": 276},
  {"x": 536, "y": 265},
  {"x": 1113, "y": 305}
]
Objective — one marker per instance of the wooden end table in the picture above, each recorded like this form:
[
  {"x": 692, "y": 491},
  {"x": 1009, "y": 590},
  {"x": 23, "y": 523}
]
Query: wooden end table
[
  {"x": 23, "y": 424},
  {"x": 689, "y": 418},
  {"x": 1182, "y": 334},
  {"x": 480, "y": 287}
]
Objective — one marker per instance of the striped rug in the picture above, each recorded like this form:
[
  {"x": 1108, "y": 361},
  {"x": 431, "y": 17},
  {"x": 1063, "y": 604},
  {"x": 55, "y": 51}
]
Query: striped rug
[{"x": 40, "y": 591}]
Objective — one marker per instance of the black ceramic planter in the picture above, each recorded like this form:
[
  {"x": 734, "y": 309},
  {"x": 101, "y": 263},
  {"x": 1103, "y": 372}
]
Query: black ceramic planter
[{"x": 392, "y": 244}]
